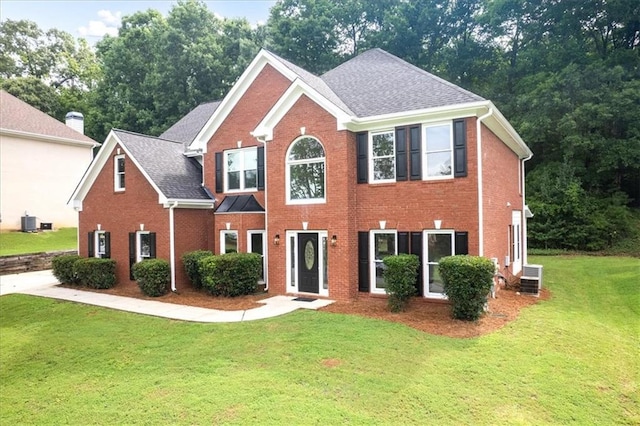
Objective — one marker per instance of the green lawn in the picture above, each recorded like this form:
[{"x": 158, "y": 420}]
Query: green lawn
[
  {"x": 25, "y": 242},
  {"x": 570, "y": 360}
]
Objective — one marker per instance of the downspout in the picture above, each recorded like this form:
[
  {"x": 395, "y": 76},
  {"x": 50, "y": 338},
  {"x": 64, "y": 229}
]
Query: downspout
[
  {"x": 265, "y": 241},
  {"x": 480, "y": 196},
  {"x": 172, "y": 246},
  {"x": 525, "y": 256}
]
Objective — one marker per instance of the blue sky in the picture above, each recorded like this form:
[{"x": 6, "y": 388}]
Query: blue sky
[{"x": 93, "y": 19}]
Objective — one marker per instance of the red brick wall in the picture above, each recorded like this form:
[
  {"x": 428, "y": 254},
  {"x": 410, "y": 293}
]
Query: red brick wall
[
  {"x": 123, "y": 212},
  {"x": 193, "y": 231},
  {"x": 241, "y": 222},
  {"x": 414, "y": 205},
  {"x": 501, "y": 194}
]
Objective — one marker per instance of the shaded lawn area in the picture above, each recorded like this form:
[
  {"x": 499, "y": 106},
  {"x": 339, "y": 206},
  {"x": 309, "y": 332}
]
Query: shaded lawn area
[
  {"x": 12, "y": 243},
  {"x": 571, "y": 359}
]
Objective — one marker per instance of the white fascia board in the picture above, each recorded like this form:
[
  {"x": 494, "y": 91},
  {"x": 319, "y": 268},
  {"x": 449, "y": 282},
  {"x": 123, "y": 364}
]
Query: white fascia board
[
  {"x": 235, "y": 94},
  {"x": 189, "y": 204},
  {"x": 98, "y": 164},
  {"x": 499, "y": 125},
  {"x": 47, "y": 138},
  {"x": 286, "y": 102}
]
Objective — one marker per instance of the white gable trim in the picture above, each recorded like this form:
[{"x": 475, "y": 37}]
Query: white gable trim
[
  {"x": 236, "y": 93},
  {"x": 47, "y": 138},
  {"x": 98, "y": 164},
  {"x": 286, "y": 102}
]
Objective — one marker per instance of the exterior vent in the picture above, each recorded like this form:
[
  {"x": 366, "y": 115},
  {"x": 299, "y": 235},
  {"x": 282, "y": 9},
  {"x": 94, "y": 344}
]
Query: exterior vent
[
  {"x": 28, "y": 223},
  {"x": 531, "y": 279}
]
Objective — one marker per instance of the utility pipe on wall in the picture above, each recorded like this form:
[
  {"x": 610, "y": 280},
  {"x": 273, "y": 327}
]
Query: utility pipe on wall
[{"x": 172, "y": 245}]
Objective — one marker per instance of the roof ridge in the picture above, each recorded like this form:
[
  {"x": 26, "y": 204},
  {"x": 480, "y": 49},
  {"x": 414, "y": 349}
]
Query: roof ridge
[
  {"x": 409, "y": 65},
  {"x": 146, "y": 136}
]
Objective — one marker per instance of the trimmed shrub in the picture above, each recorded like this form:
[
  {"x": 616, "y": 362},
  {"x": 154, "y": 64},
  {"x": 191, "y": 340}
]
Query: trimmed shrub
[
  {"x": 467, "y": 282},
  {"x": 190, "y": 261},
  {"x": 400, "y": 279},
  {"x": 153, "y": 276},
  {"x": 63, "y": 268},
  {"x": 95, "y": 273},
  {"x": 231, "y": 274}
]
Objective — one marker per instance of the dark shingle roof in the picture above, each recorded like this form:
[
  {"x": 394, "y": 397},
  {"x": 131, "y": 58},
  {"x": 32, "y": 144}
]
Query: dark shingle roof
[
  {"x": 376, "y": 82},
  {"x": 188, "y": 127},
  {"x": 177, "y": 176},
  {"x": 239, "y": 204},
  {"x": 18, "y": 115}
]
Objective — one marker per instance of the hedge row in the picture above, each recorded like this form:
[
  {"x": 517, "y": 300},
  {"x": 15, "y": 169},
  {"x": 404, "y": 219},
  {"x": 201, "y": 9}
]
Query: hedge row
[
  {"x": 89, "y": 272},
  {"x": 229, "y": 275}
]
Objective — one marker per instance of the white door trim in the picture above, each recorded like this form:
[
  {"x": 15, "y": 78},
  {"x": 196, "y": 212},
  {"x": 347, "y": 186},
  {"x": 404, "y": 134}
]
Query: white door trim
[{"x": 291, "y": 243}]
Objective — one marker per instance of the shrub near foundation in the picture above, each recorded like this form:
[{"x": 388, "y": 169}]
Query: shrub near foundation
[
  {"x": 153, "y": 276},
  {"x": 190, "y": 261},
  {"x": 63, "y": 268},
  {"x": 95, "y": 273},
  {"x": 467, "y": 282},
  {"x": 400, "y": 279},
  {"x": 231, "y": 274}
]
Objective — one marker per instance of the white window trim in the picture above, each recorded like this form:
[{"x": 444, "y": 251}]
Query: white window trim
[
  {"x": 222, "y": 240},
  {"x": 371, "y": 158},
  {"x": 241, "y": 170},
  {"x": 426, "y": 263},
  {"x": 117, "y": 173},
  {"x": 264, "y": 249},
  {"x": 289, "y": 163},
  {"x": 139, "y": 257},
  {"x": 321, "y": 260},
  {"x": 96, "y": 243},
  {"x": 425, "y": 154},
  {"x": 373, "y": 261}
]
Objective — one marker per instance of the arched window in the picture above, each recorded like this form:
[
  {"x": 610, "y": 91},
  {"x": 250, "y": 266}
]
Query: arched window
[{"x": 306, "y": 171}]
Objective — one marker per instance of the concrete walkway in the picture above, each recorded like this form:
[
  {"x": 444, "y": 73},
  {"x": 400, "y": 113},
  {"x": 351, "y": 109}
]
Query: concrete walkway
[{"x": 44, "y": 284}]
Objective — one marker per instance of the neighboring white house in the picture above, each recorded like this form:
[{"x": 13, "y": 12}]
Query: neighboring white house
[{"x": 41, "y": 162}]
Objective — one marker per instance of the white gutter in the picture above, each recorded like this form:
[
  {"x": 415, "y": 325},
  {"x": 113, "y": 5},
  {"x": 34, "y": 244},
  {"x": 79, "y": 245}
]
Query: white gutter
[
  {"x": 263, "y": 141},
  {"x": 172, "y": 246},
  {"x": 525, "y": 255},
  {"x": 480, "y": 196}
]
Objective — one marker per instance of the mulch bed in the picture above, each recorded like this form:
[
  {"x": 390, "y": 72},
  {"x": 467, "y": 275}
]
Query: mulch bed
[{"x": 423, "y": 315}]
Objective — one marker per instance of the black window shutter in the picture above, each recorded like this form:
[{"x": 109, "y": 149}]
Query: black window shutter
[
  {"x": 219, "y": 173},
  {"x": 362, "y": 157},
  {"x": 462, "y": 243},
  {"x": 90, "y": 242},
  {"x": 403, "y": 243},
  {"x": 460, "y": 147},
  {"x": 416, "y": 248},
  {"x": 363, "y": 261},
  {"x": 401, "y": 153},
  {"x": 152, "y": 245},
  {"x": 414, "y": 153},
  {"x": 261, "y": 168},
  {"x": 107, "y": 245},
  {"x": 132, "y": 253}
]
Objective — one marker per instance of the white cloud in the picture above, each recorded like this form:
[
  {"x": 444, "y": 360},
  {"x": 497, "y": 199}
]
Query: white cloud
[{"x": 107, "y": 25}]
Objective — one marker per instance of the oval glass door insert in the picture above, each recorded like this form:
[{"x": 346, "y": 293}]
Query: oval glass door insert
[{"x": 309, "y": 255}]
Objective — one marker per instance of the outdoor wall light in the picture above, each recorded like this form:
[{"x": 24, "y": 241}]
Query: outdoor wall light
[
  {"x": 99, "y": 226},
  {"x": 334, "y": 241},
  {"x": 142, "y": 226},
  {"x": 437, "y": 223},
  {"x": 276, "y": 240}
]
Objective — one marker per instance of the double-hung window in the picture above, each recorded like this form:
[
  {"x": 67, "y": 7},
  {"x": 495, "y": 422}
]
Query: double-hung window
[
  {"x": 144, "y": 246},
  {"x": 305, "y": 172},
  {"x": 118, "y": 173},
  {"x": 438, "y": 151},
  {"x": 228, "y": 242},
  {"x": 383, "y": 157},
  {"x": 241, "y": 169},
  {"x": 438, "y": 244},
  {"x": 383, "y": 244}
]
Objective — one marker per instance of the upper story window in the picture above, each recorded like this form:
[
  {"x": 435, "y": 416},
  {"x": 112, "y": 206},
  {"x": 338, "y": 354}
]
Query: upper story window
[
  {"x": 438, "y": 151},
  {"x": 241, "y": 169},
  {"x": 382, "y": 166},
  {"x": 306, "y": 171},
  {"x": 118, "y": 173}
]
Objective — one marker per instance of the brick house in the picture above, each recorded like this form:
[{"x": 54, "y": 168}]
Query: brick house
[{"x": 322, "y": 175}]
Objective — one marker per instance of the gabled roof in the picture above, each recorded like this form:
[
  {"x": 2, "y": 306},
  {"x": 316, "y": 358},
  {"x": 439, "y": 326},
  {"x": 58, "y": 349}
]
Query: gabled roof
[
  {"x": 376, "y": 83},
  {"x": 18, "y": 118},
  {"x": 175, "y": 176},
  {"x": 188, "y": 127}
]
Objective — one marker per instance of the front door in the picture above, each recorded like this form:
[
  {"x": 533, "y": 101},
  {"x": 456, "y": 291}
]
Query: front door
[{"x": 308, "y": 269}]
